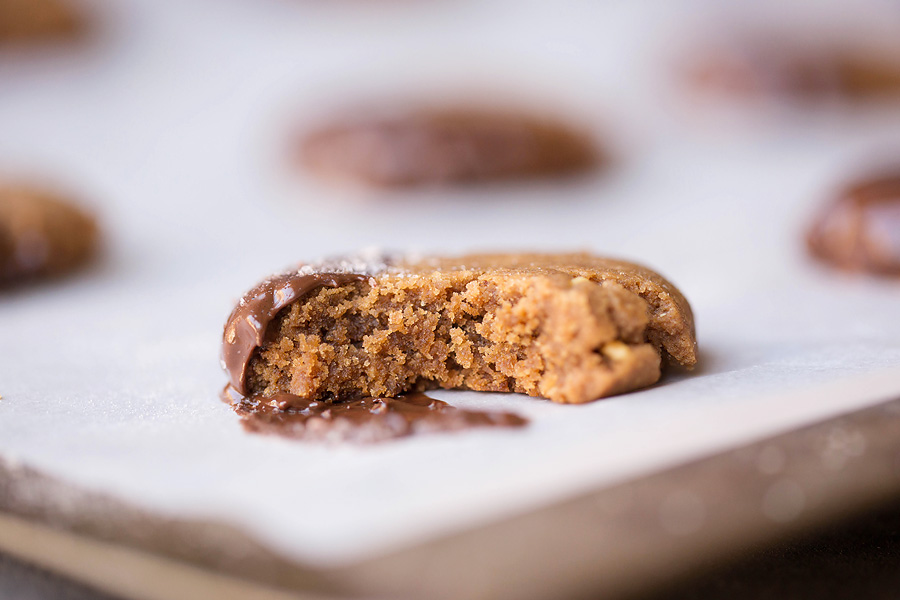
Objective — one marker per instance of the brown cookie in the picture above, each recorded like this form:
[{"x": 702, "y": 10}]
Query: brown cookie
[
  {"x": 568, "y": 327},
  {"x": 41, "y": 234},
  {"x": 444, "y": 146},
  {"x": 27, "y": 20},
  {"x": 802, "y": 73},
  {"x": 860, "y": 229}
]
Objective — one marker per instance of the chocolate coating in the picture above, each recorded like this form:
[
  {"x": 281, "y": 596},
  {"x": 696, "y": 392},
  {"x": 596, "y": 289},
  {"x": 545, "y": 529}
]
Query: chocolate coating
[
  {"x": 860, "y": 229},
  {"x": 446, "y": 146},
  {"x": 246, "y": 327},
  {"x": 359, "y": 420}
]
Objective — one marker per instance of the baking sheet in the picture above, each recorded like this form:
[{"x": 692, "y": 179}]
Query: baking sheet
[{"x": 174, "y": 125}]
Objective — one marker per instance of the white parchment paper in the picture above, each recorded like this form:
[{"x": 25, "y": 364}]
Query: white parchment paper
[{"x": 174, "y": 126}]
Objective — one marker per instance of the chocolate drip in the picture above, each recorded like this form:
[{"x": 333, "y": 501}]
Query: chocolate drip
[
  {"x": 359, "y": 420},
  {"x": 246, "y": 328}
]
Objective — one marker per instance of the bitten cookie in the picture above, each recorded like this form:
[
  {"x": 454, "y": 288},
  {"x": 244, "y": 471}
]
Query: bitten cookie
[
  {"x": 41, "y": 234},
  {"x": 27, "y": 20},
  {"x": 568, "y": 327},
  {"x": 445, "y": 146},
  {"x": 859, "y": 230}
]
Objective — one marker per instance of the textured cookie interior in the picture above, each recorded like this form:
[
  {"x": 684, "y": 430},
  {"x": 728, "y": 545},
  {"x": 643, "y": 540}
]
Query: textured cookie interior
[{"x": 565, "y": 338}]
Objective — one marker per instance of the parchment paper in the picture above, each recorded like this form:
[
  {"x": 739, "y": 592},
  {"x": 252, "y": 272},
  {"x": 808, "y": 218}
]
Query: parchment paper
[{"x": 174, "y": 125}]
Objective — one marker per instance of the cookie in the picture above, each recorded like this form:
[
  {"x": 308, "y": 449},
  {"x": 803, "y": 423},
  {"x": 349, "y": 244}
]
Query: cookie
[
  {"x": 568, "y": 327},
  {"x": 41, "y": 234},
  {"x": 805, "y": 74},
  {"x": 446, "y": 146},
  {"x": 859, "y": 230},
  {"x": 27, "y": 20}
]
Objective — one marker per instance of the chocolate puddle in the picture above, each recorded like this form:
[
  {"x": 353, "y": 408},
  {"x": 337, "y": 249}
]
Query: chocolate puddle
[{"x": 363, "y": 420}]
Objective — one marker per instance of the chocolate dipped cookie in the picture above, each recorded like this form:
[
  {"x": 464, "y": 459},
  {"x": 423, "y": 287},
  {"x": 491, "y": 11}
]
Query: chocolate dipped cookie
[
  {"x": 568, "y": 327},
  {"x": 42, "y": 234},
  {"x": 446, "y": 146},
  {"x": 803, "y": 73},
  {"x": 31, "y": 20},
  {"x": 859, "y": 230}
]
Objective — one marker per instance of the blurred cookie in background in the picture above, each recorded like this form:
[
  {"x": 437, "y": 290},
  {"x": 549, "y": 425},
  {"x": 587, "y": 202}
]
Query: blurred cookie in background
[
  {"x": 447, "y": 145},
  {"x": 42, "y": 234},
  {"x": 804, "y": 71},
  {"x": 859, "y": 230},
  {"x": 26, "y": 21}
]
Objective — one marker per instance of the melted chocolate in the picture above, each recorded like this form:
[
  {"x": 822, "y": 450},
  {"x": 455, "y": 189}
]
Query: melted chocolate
[
  {"x": 861, "y": 229},
  {"x": 247, "y": 325},
  {"x": 361, "y": 420},
  {"x": 442, "y": 146}
]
